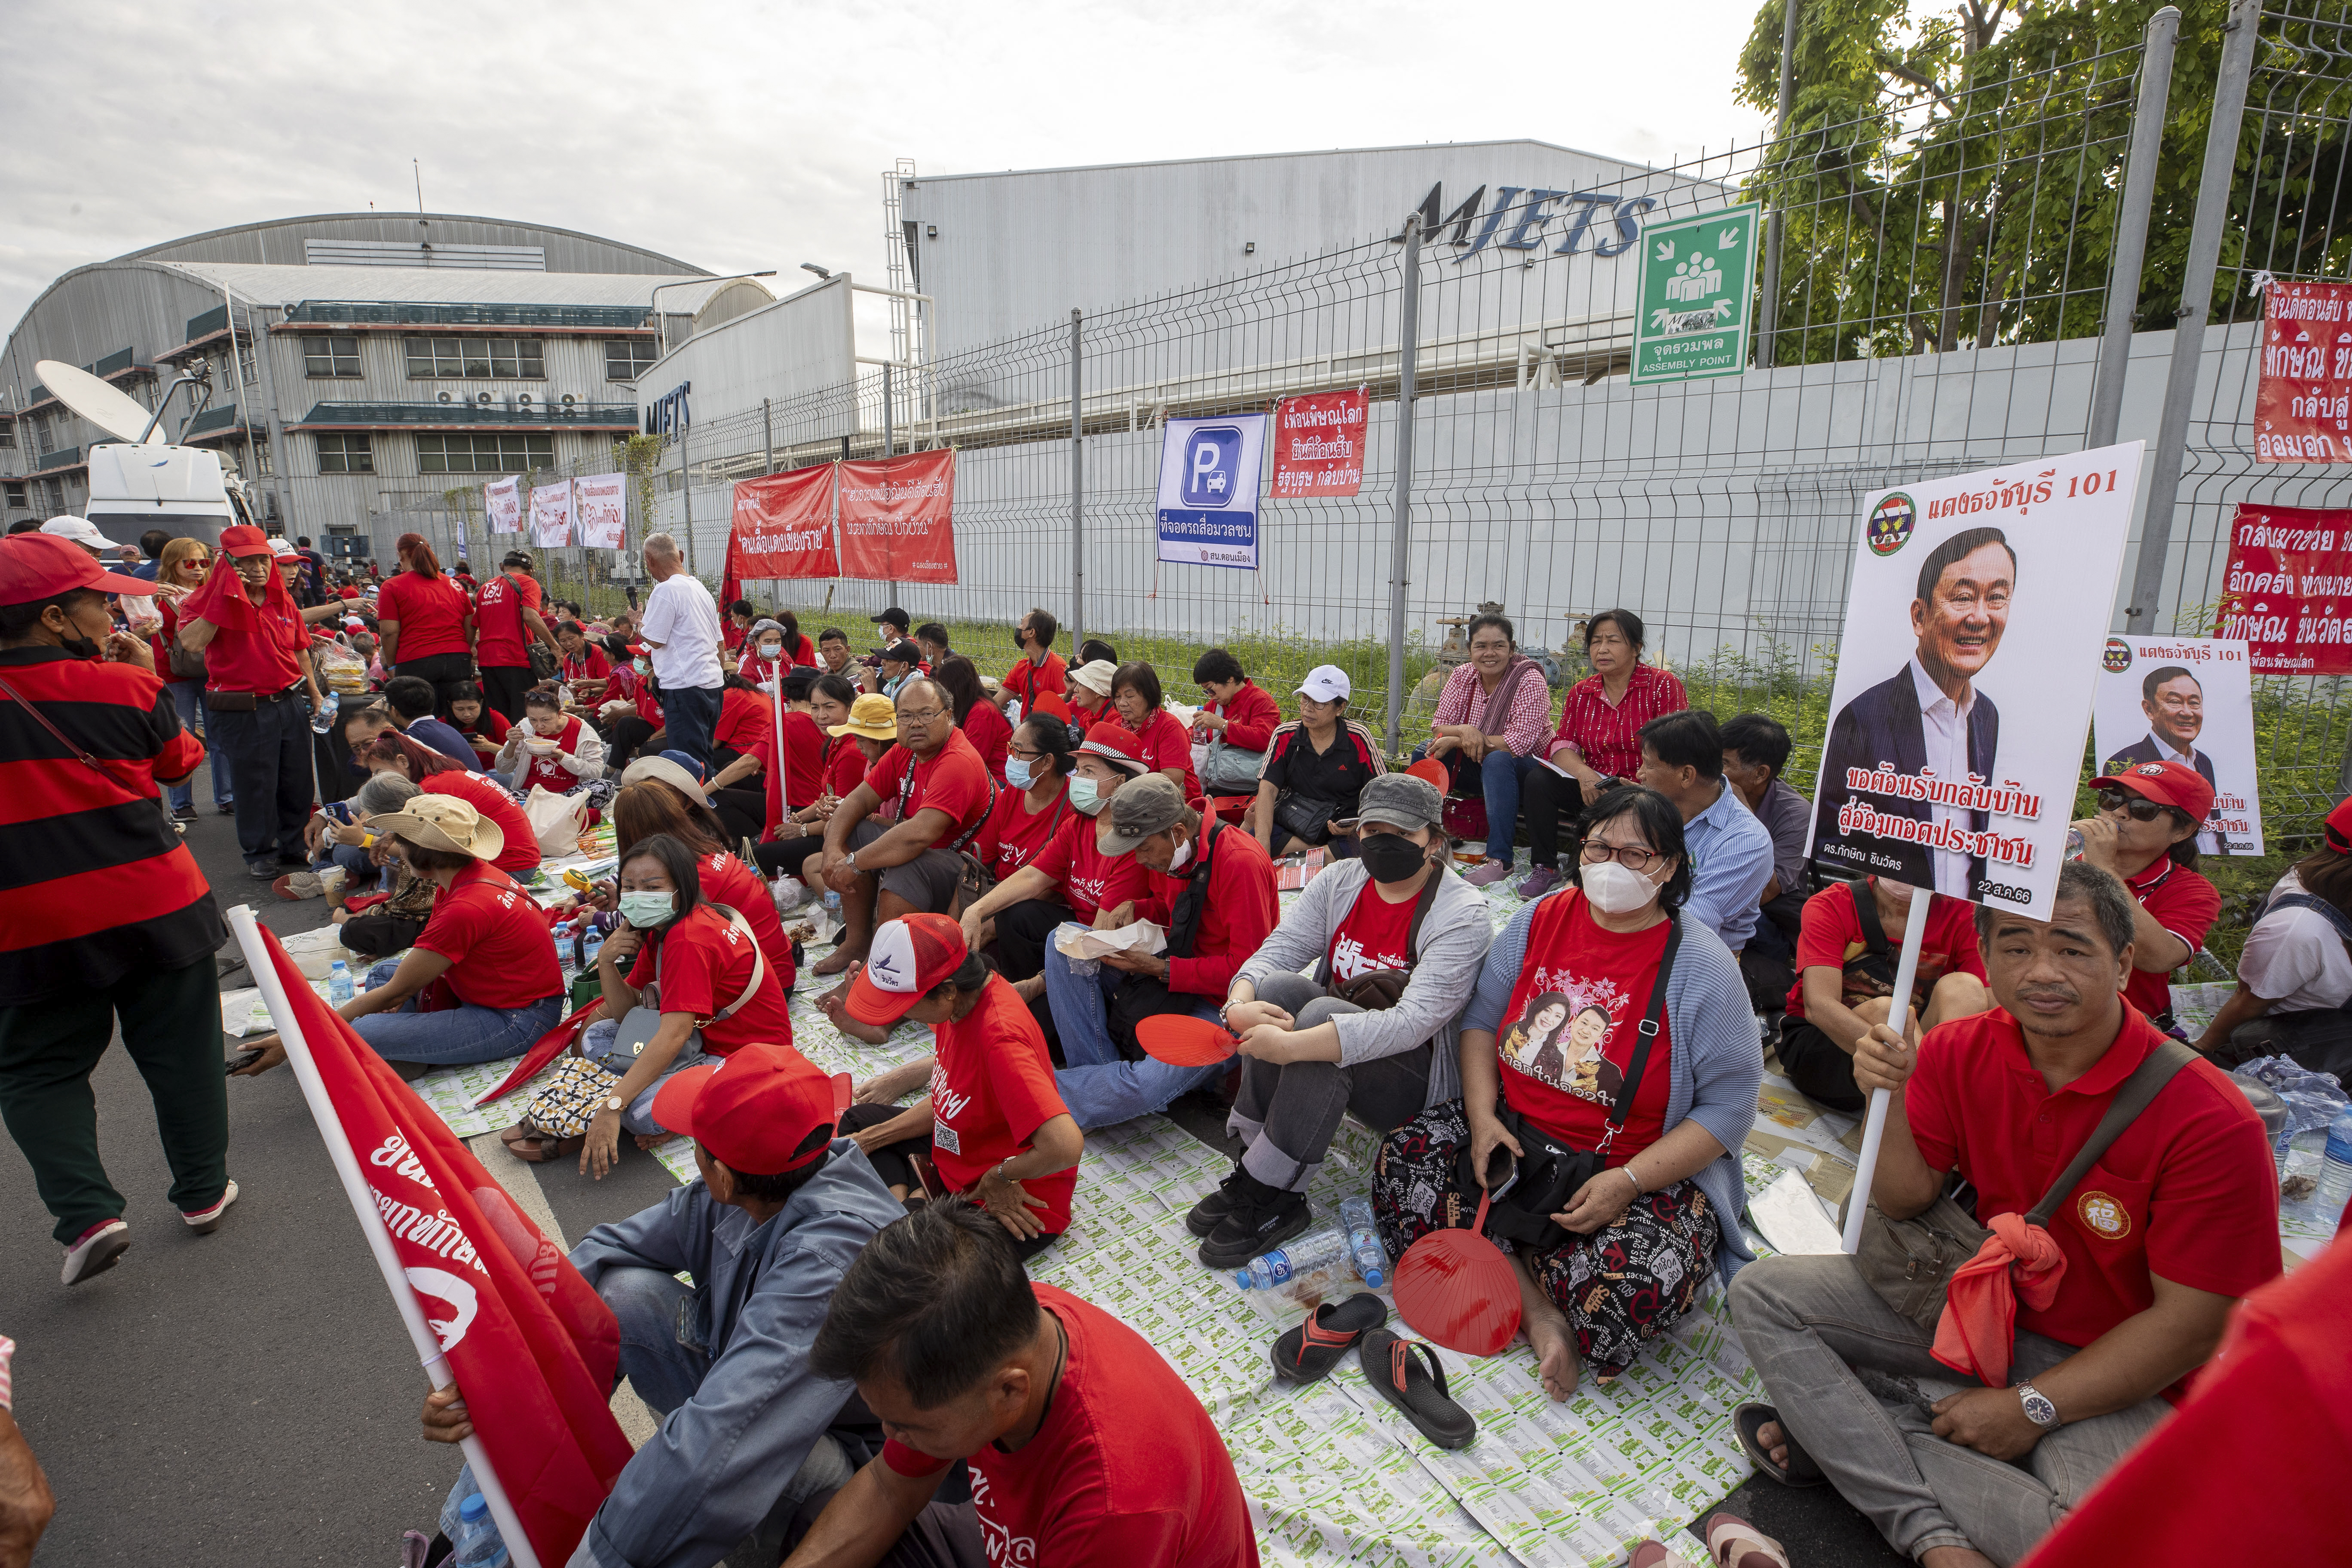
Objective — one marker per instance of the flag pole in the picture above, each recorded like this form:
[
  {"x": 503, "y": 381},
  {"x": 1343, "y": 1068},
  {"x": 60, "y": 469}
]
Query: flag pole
[
  {"x": 1898, "y": 1009},
  {"x": 259, "y": 959}
]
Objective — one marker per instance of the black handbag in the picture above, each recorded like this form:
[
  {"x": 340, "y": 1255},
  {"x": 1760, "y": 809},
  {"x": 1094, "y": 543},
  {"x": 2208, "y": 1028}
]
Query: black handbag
[
  {"x": 1550, "y": 1173},
  {"x": 1306, "y": 817}
]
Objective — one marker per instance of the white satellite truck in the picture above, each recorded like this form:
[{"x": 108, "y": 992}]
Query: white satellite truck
[{"x": 139, "y": 480}]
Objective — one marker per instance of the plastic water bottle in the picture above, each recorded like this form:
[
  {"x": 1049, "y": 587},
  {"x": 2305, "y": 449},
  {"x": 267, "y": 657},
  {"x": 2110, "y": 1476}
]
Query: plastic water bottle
[
  {"x": 339, "y": 984},
  {"x": 324, "y": 719},
  {"x": 1364, "y": 1241},
  {"x": 477, "y": 1543},
  {"x": 589, "y": 945},
  {"x": 833, "y": 903},
  {"x": 1311, "y": 1267},
  {"x": 566, "y": 955},
  {"x": 2336, "y": 1171}
]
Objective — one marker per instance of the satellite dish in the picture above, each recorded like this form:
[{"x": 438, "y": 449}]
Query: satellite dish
[{"x": 105, "y": 406}]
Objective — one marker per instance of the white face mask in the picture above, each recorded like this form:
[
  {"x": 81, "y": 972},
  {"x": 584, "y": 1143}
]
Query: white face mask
[
  {"x": 772, "y": 650},
  {"x": 1616, "y": 889},
  {"x": 1181, "y": 858}
]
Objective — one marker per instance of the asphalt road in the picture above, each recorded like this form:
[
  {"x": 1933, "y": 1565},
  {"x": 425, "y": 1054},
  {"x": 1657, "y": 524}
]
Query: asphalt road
[{"x": 251, "y": 1397}]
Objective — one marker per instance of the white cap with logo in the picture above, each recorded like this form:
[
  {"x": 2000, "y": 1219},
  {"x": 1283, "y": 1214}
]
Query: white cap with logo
[{"x": 1325, "y": 683}]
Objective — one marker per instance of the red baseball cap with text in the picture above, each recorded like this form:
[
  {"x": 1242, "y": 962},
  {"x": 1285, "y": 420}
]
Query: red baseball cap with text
[
  {"x": 909, "y": 955},
  {"x": 37, "y": 566},
  {"x": 764, "y": 1110},
  {"x": 245, "y": 540},
  {"x": 2171, "y": 783}
]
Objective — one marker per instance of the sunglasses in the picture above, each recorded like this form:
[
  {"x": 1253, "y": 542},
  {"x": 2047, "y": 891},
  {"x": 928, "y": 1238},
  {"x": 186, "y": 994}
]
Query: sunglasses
[{"x": 2139, "y": 807}]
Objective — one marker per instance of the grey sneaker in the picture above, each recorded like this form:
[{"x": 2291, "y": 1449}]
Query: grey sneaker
[
  {"x": 1487, "y": 875},
  {"x": 1540, "y": 881}
]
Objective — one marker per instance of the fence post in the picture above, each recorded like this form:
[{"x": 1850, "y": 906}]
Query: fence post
[
  {"x": 1401, "y": 529},
  {"x": 686, "y": 489},
  {"x": 2196, "y": 304},
  {"x": 1077, "y": 494},
  {"x": 2131, "y": 222},
  {"x": 889, "y": 449},
  {"x": 1768, "y": 312},
  {"x": 767, "y": 433}
]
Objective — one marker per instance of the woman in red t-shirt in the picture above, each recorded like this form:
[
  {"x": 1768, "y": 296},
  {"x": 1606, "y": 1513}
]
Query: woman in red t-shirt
[
  {"x": 425, "y": 621},
  {"x": 1552, "y": 1058},
  {"x": 1167, "y": 744},
  {"x": 433, "y": 773},
  {"x": 974, "y": 714},
  {"x": 652, "y": 807},
  {"x": 550, "y": 749},
  {"x": 1037, "y": 764}
]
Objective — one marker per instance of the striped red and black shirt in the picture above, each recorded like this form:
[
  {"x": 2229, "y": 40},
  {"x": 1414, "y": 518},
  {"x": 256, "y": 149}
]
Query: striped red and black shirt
[{"x": 94, "y": 882}]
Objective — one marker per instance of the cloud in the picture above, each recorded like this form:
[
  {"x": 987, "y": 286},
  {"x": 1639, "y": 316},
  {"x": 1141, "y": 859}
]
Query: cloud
[{"x": 737, "y": 136}]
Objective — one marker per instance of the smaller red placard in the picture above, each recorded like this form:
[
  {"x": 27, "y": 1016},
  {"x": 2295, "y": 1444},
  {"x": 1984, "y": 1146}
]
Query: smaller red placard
[
  {"x": 1318, "y": 445},
  {"x": 2302, "y": 410}
]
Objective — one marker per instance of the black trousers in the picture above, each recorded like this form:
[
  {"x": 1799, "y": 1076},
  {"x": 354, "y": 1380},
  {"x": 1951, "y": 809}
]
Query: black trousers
[
  {"x": 1822, "y": 1072},
  {"x": 1022, "y": 933},
  {"x": 629, "y": 731},
  {"x": 447, "y": 671},
  {"x": 268, "y": 754},
  {"x": 503, "y": 686},
  {"x": 1544, "y": 796},
  {"x": 787, "y": 857}
]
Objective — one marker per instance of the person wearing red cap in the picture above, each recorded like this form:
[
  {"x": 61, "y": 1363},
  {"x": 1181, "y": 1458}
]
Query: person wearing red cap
[
  {"x": 779, "y": 1210},
  {"x": 1086, "y": 1448},
  {"x": 2145, "y": 835},
  {"x": 259, "y": 694},
  {"x": 993, "y": 1125},
  {"x": 104, "y": 914},
  {"x": 2294, "y": 976}
]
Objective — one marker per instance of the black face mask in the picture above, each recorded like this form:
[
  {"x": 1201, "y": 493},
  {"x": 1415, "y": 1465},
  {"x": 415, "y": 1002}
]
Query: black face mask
[
  {"x": 1390, "y": 856},
  {"x": 1020, "y": 642},
  {"x": 81, "y": 648}
]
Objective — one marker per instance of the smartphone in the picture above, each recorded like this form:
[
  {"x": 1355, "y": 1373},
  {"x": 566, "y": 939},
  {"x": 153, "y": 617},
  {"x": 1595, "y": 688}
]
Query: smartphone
[
  {"x": 1502, "y": 1171},
  {"x": 339, "y": 811},
  {"x": 242, "y": 1060}
]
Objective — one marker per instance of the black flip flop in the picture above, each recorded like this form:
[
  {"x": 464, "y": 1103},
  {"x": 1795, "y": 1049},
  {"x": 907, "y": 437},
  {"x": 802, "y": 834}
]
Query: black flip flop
[
  {"x": 1409, "y": 1376},
  {"x": 1749, "y": 1419},
  {"x": 1308, "y": 1353}
]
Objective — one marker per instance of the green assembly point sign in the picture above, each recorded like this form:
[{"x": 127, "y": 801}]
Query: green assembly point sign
[{"x": 1697, "y": 296}]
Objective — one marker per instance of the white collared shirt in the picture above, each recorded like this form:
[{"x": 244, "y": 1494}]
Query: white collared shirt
[
  {"x": 1945, "y": 725},
  {"x": 2207, "y": 843}
]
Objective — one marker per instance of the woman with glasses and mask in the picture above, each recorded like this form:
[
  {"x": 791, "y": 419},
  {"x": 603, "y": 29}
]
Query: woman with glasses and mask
[
  {"x": 179, "y": 572},
  {"x": 1625, "y": 1251}
]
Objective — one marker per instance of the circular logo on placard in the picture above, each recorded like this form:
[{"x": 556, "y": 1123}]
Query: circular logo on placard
[
  {"x": 2103, "y": 1215},
  {"x": 1890, "y": 525},
  {"x": 2117, "y": 657}
]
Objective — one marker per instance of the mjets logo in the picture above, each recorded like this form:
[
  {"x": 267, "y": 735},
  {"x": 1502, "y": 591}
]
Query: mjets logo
[{"x": 1530, "y": 213}]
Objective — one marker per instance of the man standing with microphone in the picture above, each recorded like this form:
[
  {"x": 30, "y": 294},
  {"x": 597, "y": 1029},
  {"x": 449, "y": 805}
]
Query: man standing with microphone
[{"x": 103, "y": 914}]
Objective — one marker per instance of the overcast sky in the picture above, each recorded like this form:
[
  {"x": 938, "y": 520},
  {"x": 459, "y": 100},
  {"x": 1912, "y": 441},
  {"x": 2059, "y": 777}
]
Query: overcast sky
[{"x": 741, "y": 136}]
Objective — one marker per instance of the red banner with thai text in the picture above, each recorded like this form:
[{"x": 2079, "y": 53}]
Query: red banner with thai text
[
  {"x": 783, "y": 525},
  {"x": 2303, "y": 412},
  {"x": 2287, "y": 589},
  {"x": 1318, "y": 445},
  {"x": 898, "y": 518}
]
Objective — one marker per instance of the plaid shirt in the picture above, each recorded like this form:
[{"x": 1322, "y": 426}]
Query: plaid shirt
[
  {"x": 1610, "y": 737},
  {"x": 1465, "y": 701}
]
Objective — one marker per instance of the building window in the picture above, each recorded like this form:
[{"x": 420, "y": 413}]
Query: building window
[
  {"x": 7, "y": 435},
  {"x": 13, "y": 492},
  {"x": 345, "y": 455},
  {"x": 484, "y": 454},
  {"x": 475, "y": 359},
  {"x": 261, "y": 464},
  {"x": 625, "y": 359},
  {"x": 53, "y": 495},
  {"x": 331, "y": 356},
  {"x": 41, "y": 434}
]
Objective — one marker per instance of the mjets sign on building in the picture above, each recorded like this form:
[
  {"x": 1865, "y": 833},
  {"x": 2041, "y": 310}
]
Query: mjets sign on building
[{"x": 1594, "y": 222}]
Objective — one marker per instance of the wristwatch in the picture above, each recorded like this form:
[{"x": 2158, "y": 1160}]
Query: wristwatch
[
  {"x": 2038, "y": 1408},
  {"x": 616, "y": 1104},
  {"x": 850, "y": 860}
]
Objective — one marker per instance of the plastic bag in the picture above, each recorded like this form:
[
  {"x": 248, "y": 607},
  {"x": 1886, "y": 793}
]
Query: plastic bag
[
  {"x": 343, "y": 672},
  {"x": 789, "y": 893},
  {"x": 2313, "y": 1100}
]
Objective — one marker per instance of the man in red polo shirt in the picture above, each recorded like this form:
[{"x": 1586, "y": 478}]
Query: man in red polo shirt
[
  {"x": 2146, "y": 835},
  {"x": 1039, "y": 669},
  {"x": 2176, "y": 1221}
]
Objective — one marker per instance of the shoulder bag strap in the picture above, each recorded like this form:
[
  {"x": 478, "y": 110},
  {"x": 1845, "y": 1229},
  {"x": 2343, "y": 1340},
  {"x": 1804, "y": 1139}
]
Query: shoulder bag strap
[
  {"x": 1866, "y": 910},
  {"x": 1421, "y": 913},
  {"x": 2147, "y": 1082},
  {"x": 1626, "y": 1091},
  {"x": 2318, "y": 906},
  {"x": 978, "y": 822},
  {"x": 758, "y": 964},
  {"x": 79, "y": 752}
]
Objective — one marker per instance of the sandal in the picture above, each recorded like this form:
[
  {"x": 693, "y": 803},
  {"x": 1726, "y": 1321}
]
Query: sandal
[
  {"x": 1748, "y": 1420},
  {"x": 1734, "y": 1542},
  {"x": 536, "y": 1148},
  {"x": 1409, "y": 1376},
  {"x": 1655, "y": 1553},
  {"x": 1308, "y": 1353}
]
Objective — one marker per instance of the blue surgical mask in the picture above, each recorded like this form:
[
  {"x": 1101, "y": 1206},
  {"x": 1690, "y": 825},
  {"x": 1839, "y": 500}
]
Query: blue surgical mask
[
  {"x": 647, "y": 910},
  {"x": 644, "y": 667},
  {"x": 1018, "y": 774},
  {"x": 1086, "y": 795}
]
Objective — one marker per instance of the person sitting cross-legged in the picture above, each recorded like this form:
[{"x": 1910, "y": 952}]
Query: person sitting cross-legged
[
  {"x": 777, "y": 1215},
  {"x": 1086, "y": 1449},
  {"x": 2071, "y": 1354},
  {"x": 1730, "y": 851}
]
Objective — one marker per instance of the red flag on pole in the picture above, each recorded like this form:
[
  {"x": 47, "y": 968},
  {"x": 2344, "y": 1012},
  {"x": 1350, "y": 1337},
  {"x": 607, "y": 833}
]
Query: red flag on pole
[
  {"x": 731, "y": 577},
  {"x": 531, "y": 1346}
]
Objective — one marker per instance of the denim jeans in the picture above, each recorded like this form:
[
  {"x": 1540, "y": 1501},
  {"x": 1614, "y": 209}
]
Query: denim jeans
[
  {"x": 1287, "y": 1113},
  {"x": 188, "y": 701},
  {"x": 1815, "y": 1331},
  {"x": 1099, "y": 1087},
  {"x": 458, "y": 1036}
]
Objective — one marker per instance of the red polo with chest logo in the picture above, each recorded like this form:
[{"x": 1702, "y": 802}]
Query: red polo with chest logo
[{"x": 2188, "y": 1192}]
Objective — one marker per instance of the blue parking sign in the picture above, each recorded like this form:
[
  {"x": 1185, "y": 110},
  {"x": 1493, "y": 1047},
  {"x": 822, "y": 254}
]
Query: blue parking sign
[
  {"x": 1209, "y": 487},
  {"x": 1212, "y": 466}
]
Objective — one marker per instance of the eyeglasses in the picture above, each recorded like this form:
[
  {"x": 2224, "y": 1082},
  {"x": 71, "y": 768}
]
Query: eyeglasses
[
  {"x": 1632, "y": 857},
  {"x": 2140, "y": 808},
  {"x": 1023, "y": 753},
  {"x": 921, "y": 715}
]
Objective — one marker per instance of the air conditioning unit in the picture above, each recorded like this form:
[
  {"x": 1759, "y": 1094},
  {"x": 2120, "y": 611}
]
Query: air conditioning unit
[
  {"x": 524, "y": 402},
  {"x": 443, "y": 398},
  {"x": 482, "y": 399}
]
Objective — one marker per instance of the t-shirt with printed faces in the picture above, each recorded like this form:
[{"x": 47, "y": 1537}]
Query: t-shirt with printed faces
[
  {"x": 1090, "y": 880},
  {"x": 1573, "y": 1022},
  {"x": 704, "y": 962},
  {"x": 1372, "y": 935},
  {"x": 992, "y": 1088},
  {"x": 495, "y": 939},
  {"x": 497, "y": 627},
  {"x": 951, "y": 780},
  {"x": 1127, "y": 1470}
]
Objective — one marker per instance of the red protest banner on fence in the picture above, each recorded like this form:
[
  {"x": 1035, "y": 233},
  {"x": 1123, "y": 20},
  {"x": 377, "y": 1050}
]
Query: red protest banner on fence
[
  {"x": 783, "y": 525},
  {"x": 898, "y": 518},
  {"x": 531, "y": 1347},
  {"x": 1318, "y": 445},
  {"x": 2303, "y": 413},
  {"x": 2287, "y": 589}
]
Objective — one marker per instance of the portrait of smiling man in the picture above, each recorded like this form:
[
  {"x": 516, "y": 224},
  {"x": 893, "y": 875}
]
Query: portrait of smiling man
[{"x": 1928, "y": 716}]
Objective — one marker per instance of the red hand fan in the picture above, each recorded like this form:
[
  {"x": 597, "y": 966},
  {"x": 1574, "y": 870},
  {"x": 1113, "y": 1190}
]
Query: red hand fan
[
  {"x": 1457, "y": 1288},
  {"x": 1183, "y": 1040}
]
